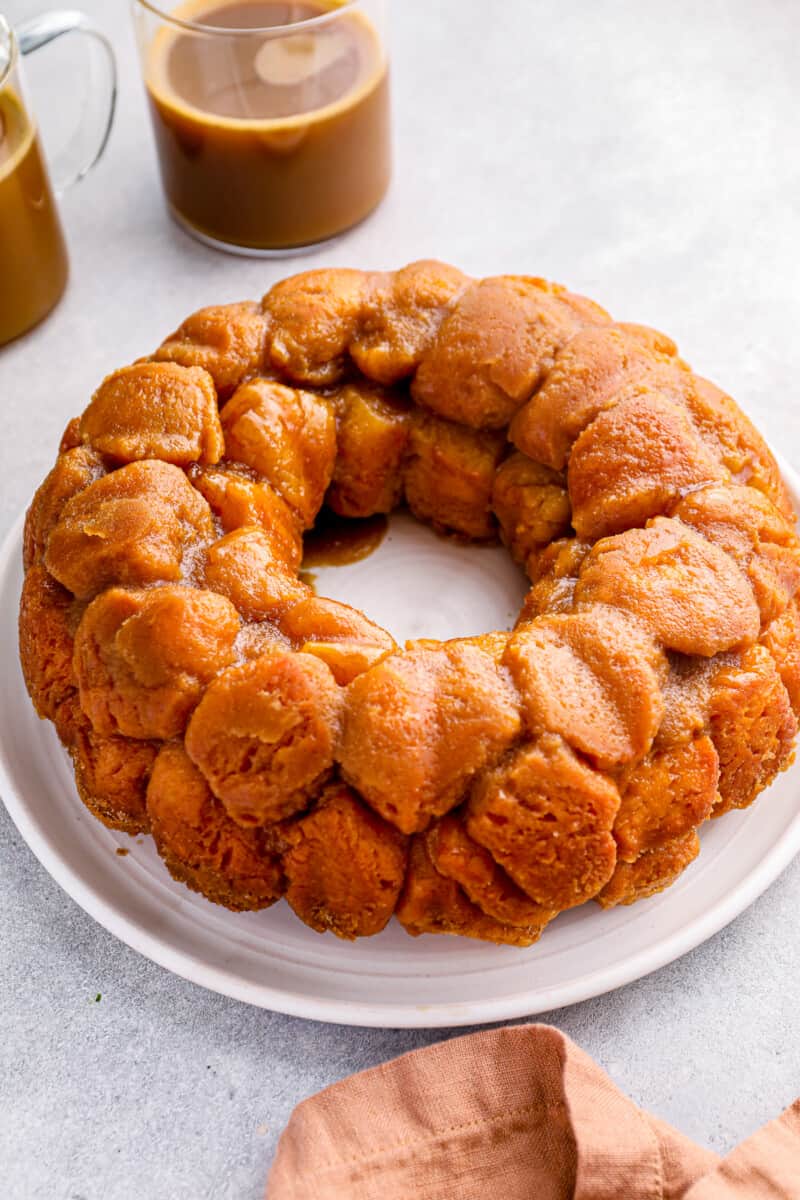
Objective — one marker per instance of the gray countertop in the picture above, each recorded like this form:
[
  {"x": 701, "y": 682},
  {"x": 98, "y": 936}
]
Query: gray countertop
[{"x": 645, "y": 154}]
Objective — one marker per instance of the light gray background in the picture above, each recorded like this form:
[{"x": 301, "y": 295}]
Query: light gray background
[{"x": 646, "y": 154}]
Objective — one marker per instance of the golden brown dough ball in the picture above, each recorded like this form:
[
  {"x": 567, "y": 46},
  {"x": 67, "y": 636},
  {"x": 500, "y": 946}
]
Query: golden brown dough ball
[
  {"x": 651, "y": 873},
  {"x": 340, "y": 635},
  {"x": 531, "y": 504},
  {"x": 259, "y": 637},
  {"x": 313, "y": 318},
  {"x": 633, "y": 462},
  {"x": 244, "y": 567},
  {"x": 745, "y": 523},
  {"x": 593, "y": 677},
  {"x": 493, "y": 643},
  {"x": 47, "y": 619},
  {"x": 71, "y": 437},
  {"x": 239, "y": 497},
  {"x": 199, "y": 843},
  {"x": 155, "y": 410},
  {"x": 666, "y": 796},
  {"x": 586, "y": 378},
  {"x": 263, "y": 735},
  {"x": 288, "y": 436},
  {"x": 457, "y": 856},
  {"x": 653, "y": 340},
  {"x": 449, "y": 475},
  {"x": 687, "y": 591},
  {"x": 227, "y": 340},
  {"x": 432, "y": 903},
  {"x": 372, "y": 436},
  {"x": 734, "y": 439},
  {"x": 143, "y": 658},
  {"x": 752, "y": 726},
  {"x": 131, "y": 527},
  {"x": 70, "y": 720},
  {"x": 419, "y": 726},
  {"x": 553, "y": 572},
  {"x": 546, "y": 817},
  {"x": 495, "y": 347},
  {"x": 404, "y": 312},
  {"x": 687, "y": 694},
  {"x": 344, "y": 866},
  {"x": 111, "y": 774},
  {"x": 782, "y": 640},
  {"x": 74, "y": 470}
]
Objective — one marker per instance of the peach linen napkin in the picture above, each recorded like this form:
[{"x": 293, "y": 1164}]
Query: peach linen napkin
[{"x": 519, "y": 1113}]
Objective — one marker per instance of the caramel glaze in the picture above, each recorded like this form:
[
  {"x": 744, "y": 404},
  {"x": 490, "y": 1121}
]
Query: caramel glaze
[{"x": 337, "y": 541}]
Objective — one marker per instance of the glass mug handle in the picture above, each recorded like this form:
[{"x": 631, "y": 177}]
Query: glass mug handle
[{"x": 87, "y": 144}]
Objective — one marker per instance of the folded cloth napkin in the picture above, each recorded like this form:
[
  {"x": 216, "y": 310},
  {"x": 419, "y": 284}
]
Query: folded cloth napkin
[{"x": 515, "y": 1114}]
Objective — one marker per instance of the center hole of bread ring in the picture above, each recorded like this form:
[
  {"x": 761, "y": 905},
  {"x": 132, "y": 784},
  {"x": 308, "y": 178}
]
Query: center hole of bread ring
[{"x": 417, "y": 584}]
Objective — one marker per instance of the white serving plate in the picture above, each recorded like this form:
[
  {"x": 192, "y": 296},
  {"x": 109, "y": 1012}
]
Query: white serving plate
[{"x": 417, "y": 585}]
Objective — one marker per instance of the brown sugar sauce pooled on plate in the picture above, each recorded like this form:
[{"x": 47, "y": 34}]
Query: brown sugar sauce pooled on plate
[
  {"x": 337, "y": 541},
  {"x": 270, "y": 141}
]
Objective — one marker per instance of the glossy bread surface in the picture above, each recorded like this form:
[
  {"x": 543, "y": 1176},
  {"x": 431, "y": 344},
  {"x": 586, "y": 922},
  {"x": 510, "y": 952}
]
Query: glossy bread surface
[{"x": 278, "y": 743}]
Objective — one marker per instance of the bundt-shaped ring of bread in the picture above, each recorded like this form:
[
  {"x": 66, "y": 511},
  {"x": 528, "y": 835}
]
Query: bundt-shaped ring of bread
[{"x": 278, "y": 743}]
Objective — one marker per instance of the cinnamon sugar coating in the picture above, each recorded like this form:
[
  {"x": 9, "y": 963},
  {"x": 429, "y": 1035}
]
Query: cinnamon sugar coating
[
  {"x": 337, "y": 634},
  {"x": 263, "y": 735},
  {"x": 280, "y": 743},
  {"x": 288, "y": 437},
  {"x": 449, "y": 476},
  {"x": 372, "y": 437},
  {"x": 313, "y": 320},
  {"x": 495, "y": 346},
  {"x": 651, "y": 873},
  {"x": 111, "y": 773},
  {"x": 458, "y": 857},
  {"x": 594, "y": 678},
  {"x": 133, "y": 526},
  {"x": 670, "y": 792},
  {"x": 657, "y": 457},
  {"x": 245, "y": 568},
  {"x": 47, "y": 618},
  {"x": 531, "y": 503},
  {"x": 200, "y": 844},
  {"x": 402, "y": 317},
  {"x": 431, "y": 902},
  {"x": 757, "y": 536},
  {"x": 687, "y": 591},
  {"x": 75, "y": 469},
  {"x": 586, "y": 378},
  {"x": 546, "y": 817},
  {"x": 226, "y": 340},
  {"x": 782, "y": 640},
  {"x": 142, "y": 660},
  {"x": 240, "y": 497},
  {"x": 155, "y": 410},
  {"x": 438, "y": 716},
  {"x": 344, "y": 866}
]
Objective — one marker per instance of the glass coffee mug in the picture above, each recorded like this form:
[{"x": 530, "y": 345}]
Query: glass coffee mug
[
  {"x": 33, "y": 256},
  {"x": 271, "y": 117}
]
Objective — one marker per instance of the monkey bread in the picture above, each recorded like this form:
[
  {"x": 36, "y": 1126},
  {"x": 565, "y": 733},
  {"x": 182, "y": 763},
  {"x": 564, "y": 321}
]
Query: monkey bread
[{"x": 279, "y": 744}]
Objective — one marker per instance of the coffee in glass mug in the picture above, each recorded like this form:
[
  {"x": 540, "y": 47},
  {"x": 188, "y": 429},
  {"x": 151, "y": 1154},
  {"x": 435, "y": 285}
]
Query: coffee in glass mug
[
  {"x": 271, "y": 118},
  {"x": 33, "y": 255}
]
